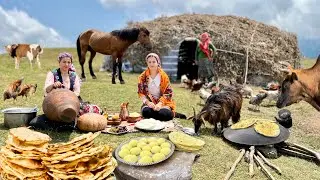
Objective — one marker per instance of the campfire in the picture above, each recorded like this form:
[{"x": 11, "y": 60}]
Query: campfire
[
  {"x": 253, "y": 155},
  {"x": 258, "y": 143}
]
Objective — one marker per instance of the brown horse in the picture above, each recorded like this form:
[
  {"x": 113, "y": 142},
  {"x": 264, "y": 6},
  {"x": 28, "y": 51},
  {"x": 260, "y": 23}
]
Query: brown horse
[{"x": 114, "y": 43}]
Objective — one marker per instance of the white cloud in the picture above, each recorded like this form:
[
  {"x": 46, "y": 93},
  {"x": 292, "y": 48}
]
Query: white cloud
[
  {"x": 127, "y": 3},
  {"x": 18, "y": 27},
  {"x": 298, "y": 16}
]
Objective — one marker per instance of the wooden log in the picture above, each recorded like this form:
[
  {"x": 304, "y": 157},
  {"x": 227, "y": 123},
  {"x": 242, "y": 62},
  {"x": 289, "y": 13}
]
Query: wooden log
[
  {"x": 298, "y": 150},
  {"x": 314, "y": 153},
  {"x": 233, "y": 167},
  {"x": 296, "y": 154},
  {"x": 269, "y": 163},
  {"x": 246, "y": 157},
  {"x": 267, "y": 173},
  {"x": 251, "y": 161}
]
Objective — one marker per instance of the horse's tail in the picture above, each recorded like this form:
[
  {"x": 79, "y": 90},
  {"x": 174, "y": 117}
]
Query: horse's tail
[{"x": 79, "y": 48}]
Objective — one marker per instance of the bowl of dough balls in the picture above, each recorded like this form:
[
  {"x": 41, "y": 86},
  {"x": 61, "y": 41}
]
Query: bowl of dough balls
[{"x": 144, "y": 151}]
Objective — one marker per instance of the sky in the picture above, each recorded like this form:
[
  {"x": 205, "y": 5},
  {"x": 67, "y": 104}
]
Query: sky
[{"x": 57, "y": 23}]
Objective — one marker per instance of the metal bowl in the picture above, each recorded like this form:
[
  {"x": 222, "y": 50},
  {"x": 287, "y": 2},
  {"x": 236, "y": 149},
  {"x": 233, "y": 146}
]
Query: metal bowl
[
  {"x": 17, "y": 117},
  {"x": 172, "y": 148}
]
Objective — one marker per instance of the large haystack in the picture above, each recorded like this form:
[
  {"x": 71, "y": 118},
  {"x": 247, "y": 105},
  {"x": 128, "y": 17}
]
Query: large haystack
[{"x": 269, "y": 45}]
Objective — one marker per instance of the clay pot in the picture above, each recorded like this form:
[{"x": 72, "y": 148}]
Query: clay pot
[{"x": 61, "y": 105}]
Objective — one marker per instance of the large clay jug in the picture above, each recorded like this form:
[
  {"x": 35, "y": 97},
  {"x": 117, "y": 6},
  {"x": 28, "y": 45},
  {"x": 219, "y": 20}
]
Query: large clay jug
[{"x": 61, "y": 105}]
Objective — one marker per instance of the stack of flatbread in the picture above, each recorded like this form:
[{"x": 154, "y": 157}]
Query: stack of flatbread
[
  {"x": 80, "y": 159},
  {"x": 184, "y": 142},
  {"x": 20, "y": 158},
  {"x": 28, "y": 155}
]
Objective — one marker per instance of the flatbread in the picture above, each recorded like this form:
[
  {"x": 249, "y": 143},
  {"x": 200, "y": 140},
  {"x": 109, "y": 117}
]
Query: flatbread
[
  {"x": 267, "y": 128},
  {"x": 27, "y": 163},
  {"x": 20, "y": 146},
  {"x": 29, "y": 136},
  {"x": 180, "y": 138},
  {"x": 20, "y": 171},
  {"x": 243, "y": 124},
  {"x": 76, "y": 143}
]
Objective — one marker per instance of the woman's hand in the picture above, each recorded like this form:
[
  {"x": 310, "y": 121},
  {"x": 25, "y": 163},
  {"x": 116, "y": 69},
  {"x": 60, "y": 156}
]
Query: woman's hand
[
  {"x": 58, "y": 84},
  {"x": 151, "y": 105},
  {"x": 158, "y": 106}
]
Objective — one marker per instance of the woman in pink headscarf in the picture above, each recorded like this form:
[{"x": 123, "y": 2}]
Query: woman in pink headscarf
[
  {"x": 155, "y": 92},
  {"x": 204, "y": 58}
]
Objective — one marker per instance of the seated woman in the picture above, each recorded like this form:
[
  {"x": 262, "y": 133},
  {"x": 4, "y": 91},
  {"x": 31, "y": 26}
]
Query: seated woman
[
  {"x": 62, "y": 77},
  {"x": 155, "y": 91}
]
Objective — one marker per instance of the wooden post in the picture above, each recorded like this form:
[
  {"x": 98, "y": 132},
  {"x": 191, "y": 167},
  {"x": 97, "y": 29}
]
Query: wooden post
[{"x": 247, "y": 55}]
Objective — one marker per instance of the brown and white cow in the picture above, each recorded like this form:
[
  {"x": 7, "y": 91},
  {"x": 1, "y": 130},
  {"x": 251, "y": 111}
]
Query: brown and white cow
[
  {"x": 18, "y": 51},
  {"x": 301, "y": 84}
]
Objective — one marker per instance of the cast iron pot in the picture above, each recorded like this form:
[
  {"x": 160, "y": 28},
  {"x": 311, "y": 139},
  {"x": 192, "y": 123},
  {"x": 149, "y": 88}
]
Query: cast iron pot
[{"x": 17, "y": 116}]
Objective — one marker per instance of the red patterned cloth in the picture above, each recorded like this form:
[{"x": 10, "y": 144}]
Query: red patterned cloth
[
  {"x": 89, "y": 108},
  {"x": 204, "y": 44}
]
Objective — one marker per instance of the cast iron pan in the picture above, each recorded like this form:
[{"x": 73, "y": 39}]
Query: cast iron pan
[{"x": 250, "y": 137}]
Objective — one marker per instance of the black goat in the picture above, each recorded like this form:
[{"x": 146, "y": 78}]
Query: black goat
[{"x": 219, "y": 108}]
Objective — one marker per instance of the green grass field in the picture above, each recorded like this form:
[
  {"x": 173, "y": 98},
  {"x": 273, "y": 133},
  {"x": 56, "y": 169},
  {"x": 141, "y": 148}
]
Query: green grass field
[{"x": 215, "y": 158}]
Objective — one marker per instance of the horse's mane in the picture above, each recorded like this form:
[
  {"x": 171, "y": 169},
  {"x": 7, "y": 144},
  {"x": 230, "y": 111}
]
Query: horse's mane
[{"x": 129, "y": 34}]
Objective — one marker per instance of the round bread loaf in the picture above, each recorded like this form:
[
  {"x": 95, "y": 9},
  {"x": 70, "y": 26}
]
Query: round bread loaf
[{"x": 92, "y": 122}]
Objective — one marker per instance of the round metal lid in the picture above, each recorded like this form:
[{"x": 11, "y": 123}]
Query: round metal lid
[{"x": 250, "y": 137}]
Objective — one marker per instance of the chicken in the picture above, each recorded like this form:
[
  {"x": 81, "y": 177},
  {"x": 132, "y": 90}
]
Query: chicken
[
  {"x": 12, "y": 90},
  {"x": 257, "y": 100},
  {"x": 27, "y": 89}
]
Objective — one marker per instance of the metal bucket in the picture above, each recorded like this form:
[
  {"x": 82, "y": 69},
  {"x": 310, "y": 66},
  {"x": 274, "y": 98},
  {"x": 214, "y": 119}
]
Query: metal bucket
[{"x": 18, "y": 117}]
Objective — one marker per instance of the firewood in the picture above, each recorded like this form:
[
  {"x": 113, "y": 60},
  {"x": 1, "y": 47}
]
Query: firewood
[
  {"x": 259, "y": 163},
  {"x": 269, "y": 163},
  {"x": 251, "y": 170},
  {"x": 314, "y": 153},
  {"x": 296, "y": 154},
  {"x": 233, "y": 167},
  {"x": 246, "y": 157},
  {"x": 296, "y": 149}
]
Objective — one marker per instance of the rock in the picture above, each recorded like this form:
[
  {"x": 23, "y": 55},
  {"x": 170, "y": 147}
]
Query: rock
[{"x": 268, "y": 151}]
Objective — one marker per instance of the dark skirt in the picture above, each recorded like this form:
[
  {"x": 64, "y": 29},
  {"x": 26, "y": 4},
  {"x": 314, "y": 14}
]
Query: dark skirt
[
  {"x": 41, "y": 122},
  {"x": 205, "y": 68},
  {"x": 164, "y": 114}
]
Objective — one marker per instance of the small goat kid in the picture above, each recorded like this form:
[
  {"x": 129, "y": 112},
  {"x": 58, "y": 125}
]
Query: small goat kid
[{"x": 219, "y": 108}]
